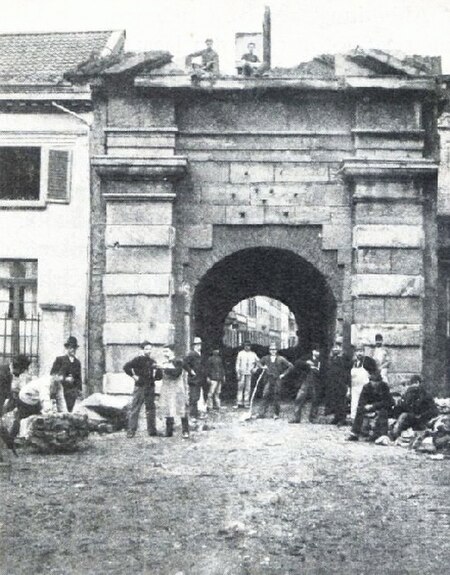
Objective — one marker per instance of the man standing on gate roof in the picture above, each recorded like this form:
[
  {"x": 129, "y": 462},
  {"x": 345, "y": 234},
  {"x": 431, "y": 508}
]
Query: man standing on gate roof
[
  {"x": 142, "y": 369},
  {"x": 310, "y": 388},
  {"x": 193, "y": 364},
  {"x": 70, "y": 367},
  {"x": 247, "y": 363},
  {"x": 382, "y": 357},
  {"x": 274, "y": 366}
]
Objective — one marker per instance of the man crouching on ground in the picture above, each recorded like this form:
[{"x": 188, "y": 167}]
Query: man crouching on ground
[
  {"x": 417, "y": 407},
  {"x": 374, "y": 404},
  {"x": 37, "y": 397}
]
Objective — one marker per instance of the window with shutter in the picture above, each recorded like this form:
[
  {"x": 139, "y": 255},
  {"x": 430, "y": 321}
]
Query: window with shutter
[{"x": 58, "y": 188}]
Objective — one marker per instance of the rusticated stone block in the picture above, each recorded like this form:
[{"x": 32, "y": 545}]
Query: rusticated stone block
[
  {"x": 139, "y": 284},
  {"x": 393, "y": 334},
  {"x": 133, "y": 333},
  {"x": 198, "y": 236},
  {"x": 147, "y": 259},
  {"x": 403, "y": 310},
  {"x": 388, "y": 236},
  {"x": 139, "y": 212},
  {"x": 137, "y": 112},
  {"x": 389, "y": 115},
  {"x": 407, "y": 261},
  {"x": 372, "y": 260},
  {"x": 298, "y": 215},
  {"x": 210, "y": 171},
  {"x": 138, "y": 235},
  {"x": 387, "y": 285},
  {"x": 369, "y": 310},
  {"x": 241, "y": 173},
  {"x": 335, "y": 236},
  {"x": 147, "y": 309},
  {"x": 226, "y": 194},
  {"x": 244, "y": 215},
  {"x": 306, "y": 172}
]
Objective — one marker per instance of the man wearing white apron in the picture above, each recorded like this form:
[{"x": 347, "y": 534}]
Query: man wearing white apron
[{"x": 359, "y": 377}]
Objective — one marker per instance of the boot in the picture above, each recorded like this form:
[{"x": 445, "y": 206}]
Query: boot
[
  {"x": 185, "y": 427},
  {"x": 169, "y": 426}
]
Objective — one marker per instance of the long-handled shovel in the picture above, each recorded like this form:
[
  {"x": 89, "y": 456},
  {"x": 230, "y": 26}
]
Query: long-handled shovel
[{"x": 249, "y": 415}]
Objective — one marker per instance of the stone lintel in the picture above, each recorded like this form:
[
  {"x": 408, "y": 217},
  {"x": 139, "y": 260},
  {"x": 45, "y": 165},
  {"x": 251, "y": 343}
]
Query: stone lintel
[
  {"x": 126, "y": 168},
  {"x": 395, "y": 285},
  {"x": 57, "y": 307},
  {"x": 361, "y": 168}
]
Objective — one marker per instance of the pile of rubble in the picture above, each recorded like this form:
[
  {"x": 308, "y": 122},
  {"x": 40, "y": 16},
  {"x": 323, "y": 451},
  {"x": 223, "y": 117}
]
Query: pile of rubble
[{"x": 56, "y": 432}]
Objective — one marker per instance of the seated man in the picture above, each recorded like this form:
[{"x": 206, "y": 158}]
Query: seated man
[
  {"x": 416, "y": 408},
  {"x": 375, "y": 402},
  {"x": 209, "y": 61},
  {"x": 37, "y": 396},
  {"x": 250, "y": 61}
]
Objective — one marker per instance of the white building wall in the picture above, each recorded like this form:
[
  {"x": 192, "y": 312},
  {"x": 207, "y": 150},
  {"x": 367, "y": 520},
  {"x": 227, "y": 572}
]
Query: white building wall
[{"x": 56, "y": 235}]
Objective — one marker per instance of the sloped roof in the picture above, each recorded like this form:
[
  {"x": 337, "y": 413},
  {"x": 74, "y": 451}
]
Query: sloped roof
[{"x": 43, "y": 58}]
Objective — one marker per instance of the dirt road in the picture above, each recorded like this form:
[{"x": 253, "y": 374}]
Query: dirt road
[{"x": 261, "y": 497}]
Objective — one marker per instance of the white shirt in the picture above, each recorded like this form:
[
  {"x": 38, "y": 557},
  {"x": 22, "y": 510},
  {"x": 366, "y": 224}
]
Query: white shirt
[
  {"x": 246, "y": 362},
  {"x": 37, "y": 391}
]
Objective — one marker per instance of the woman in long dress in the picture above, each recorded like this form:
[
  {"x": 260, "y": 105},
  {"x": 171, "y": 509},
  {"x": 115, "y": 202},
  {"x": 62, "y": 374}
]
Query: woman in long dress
[{"x": 173, "y": 396}]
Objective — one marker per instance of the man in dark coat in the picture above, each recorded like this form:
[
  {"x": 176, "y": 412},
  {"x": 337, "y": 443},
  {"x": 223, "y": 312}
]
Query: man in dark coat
[
  {"x": 416, "y": 407},
  {"x": 215, "y": 375},
  {"x": 338, "y": 383},
  {"x": 193, "y": 365},
  {"x": 70, "y": 367},
  {"x": 8, "y": 373},
  {"x": 374, "y": 405},
  {"x": 142, "y": 369},
  {"x": 274, "y": 366},
  {"x": 310, "y": 388}
]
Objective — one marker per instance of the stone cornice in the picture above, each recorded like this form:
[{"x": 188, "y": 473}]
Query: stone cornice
[
  {"x": 357, "y": 168},
  {"x": 126, "y": 168},
  {"x": 238, "y": 83}
]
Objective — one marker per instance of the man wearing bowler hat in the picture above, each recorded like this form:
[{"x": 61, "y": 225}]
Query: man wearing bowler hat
[{"x": 69, "y": 367}]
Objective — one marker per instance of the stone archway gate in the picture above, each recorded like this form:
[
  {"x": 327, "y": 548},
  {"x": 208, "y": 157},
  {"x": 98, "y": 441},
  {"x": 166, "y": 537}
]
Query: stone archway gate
[{"x": 182, "y": 170}]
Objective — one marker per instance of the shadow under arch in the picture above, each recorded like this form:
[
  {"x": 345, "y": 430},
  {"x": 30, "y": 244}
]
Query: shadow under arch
[{"x": 277, "y": 273}]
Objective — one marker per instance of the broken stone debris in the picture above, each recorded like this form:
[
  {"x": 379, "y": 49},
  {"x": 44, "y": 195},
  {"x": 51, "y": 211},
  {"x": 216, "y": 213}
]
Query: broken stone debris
[
  {"x": 53, "y": 433},
  {"x": 105, "y": 413}
]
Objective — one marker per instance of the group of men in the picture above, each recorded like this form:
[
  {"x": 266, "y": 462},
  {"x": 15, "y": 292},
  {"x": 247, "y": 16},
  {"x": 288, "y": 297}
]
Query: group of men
[
  {"x": 364, "y": 380},
  {"x": 208, "y": 62},
  {"x": 26, "y": 396},
  {"x": 184, "y": 381}
]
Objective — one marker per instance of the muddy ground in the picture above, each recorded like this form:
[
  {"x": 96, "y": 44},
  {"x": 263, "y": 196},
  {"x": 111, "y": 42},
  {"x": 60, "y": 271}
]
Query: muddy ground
[{"x": 258, "y": 497}]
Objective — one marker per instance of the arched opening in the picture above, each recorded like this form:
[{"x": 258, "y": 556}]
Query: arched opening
[
  {"x": 272, "y": 272},
  {"x": 260, "y": 320}
]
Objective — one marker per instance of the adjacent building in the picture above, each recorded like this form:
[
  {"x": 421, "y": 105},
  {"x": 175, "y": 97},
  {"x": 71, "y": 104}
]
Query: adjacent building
[{"x": 45, "y": 191}]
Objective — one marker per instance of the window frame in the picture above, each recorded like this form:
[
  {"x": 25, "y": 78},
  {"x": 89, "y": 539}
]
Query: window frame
[{"x": 44, "y": 177}]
